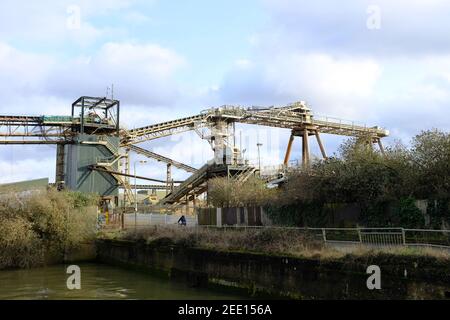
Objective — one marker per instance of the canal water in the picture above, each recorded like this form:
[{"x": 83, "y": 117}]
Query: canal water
[{"x": 98, "y": 281}]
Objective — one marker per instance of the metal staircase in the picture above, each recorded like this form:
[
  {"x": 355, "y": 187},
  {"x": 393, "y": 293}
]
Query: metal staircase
[
  {"x": 245, "y": 174},
  {"x": 194, "y": 184},
  {"x": 110, "y": 165}
]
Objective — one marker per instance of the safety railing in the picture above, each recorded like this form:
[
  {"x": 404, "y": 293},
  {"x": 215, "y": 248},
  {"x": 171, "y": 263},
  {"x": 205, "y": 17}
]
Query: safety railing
[
  {"x": 372, "y": 237},
  {"x": 141, "y": 220}
]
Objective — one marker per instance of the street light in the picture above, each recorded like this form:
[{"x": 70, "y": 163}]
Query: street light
[
  {"x": 259, "y": 157},
  {"x": 135, "y": 191}
]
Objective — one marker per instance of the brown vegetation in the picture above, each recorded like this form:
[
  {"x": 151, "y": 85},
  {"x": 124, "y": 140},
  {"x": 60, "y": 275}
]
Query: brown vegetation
[
  {"x": 36, "y": 227},
  {"x": 268, "y": 241},
  {"x": 224, "y": 192}
]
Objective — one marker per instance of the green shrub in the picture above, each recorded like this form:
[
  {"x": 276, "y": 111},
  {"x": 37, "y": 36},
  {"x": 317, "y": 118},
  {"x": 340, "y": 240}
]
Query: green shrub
[
  {"x": 300, "y": 214},
  {"x": 408, "y": 215}
]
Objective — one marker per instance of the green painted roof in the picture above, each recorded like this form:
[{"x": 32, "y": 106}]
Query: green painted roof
[{"x": 37, "y": 184}]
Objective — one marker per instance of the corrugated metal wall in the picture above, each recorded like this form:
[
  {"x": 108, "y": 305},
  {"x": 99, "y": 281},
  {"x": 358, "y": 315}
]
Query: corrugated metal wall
[
  {"x": 79, "y": 157},
  {"x": 244, "y": 216}
]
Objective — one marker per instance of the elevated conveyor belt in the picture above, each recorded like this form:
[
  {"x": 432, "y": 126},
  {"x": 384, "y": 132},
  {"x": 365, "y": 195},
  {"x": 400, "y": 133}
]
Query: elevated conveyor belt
[
  {"x": 31, "y": 130},
  {"x": 161, "y": 158},
  {"x": 149, "y": 187},
  {"x": 162, "y": 129},
  {"x": 291, "y": 117}
]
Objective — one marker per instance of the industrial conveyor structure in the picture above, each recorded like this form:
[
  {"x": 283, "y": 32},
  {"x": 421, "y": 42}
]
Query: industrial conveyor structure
[
  {"x": 95, "y": 122},
  {"x": 197, "y": 183},
  {"x": 169, "y": 163},
  {"x": 297, "y": 117}
]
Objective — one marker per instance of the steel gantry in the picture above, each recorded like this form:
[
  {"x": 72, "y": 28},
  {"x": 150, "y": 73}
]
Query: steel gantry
[
  {"x": 296, "y": 117},
  {"x": 292, "y": 116}
]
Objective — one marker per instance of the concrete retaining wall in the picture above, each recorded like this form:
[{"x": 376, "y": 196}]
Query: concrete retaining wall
[{"x": 258, "y": 274}]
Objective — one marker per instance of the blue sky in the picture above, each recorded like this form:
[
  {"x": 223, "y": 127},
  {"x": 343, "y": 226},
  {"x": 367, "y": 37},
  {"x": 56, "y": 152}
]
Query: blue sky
[{"x": 379, "y": 62}]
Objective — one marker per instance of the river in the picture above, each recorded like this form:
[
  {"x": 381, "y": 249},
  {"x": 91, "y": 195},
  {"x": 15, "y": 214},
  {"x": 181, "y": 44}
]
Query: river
[{"x": 98, "y": 281}]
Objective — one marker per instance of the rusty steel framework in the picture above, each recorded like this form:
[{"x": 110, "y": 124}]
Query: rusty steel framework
[
  {"x": 292, "y": 117},
  {"x": 296, "y": 117},
  {"x": 32, "y": 130}
]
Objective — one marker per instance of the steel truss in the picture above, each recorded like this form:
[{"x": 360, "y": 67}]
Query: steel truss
[
  {"x": 289, "y": 117},
  {"x": 296, "y": 117}
]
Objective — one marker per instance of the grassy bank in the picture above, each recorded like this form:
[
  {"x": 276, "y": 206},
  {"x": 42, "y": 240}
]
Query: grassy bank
[
  {"x": 44, "y": 226},
  {"x": 288, "y": 242}
]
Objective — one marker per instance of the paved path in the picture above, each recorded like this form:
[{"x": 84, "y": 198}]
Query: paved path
[{"x": 147, "y": 219}]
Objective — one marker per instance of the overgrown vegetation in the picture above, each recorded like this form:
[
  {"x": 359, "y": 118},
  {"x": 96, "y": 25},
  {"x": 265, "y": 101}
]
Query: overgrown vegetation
[
  {"x": 225, "y": 192},
  {"x": 291, "y": 242},
  {"x": 384, "y": 187},
  {"x": 267, "y": 241},
  {"x": 44, "y": 225}
]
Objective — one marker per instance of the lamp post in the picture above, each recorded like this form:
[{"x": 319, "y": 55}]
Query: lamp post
[
  {"x": 135, "y": 191},
  {"x": 259, "y": 157}
]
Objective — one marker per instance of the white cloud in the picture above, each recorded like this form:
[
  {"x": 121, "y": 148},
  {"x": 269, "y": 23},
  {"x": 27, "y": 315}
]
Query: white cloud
[
  {"x": 334, "y": 85},
  {"x": 243, "y": 63},
  {"x": 21, "y": 73},
  {"x": 147, "y": 58},
  {"x": 25, "y": 169},
  {"x": 407, "y": 27},
  {"x": 137, "y": 18},
  {"x": 323, "y": 52},
  {"x": 50, "y": 23},
  {"x": 141, "y": 74}
]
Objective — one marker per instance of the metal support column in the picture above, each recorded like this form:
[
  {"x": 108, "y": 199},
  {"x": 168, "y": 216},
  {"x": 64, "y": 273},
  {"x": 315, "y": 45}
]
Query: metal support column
[
  {"x": 380, "y": 145},
  {"x": 126, "y": 170},
  {"x": 169, "y": 178},
  {"x": 60, "y": 156},
  {"x": 305, "y": 148},
  {"x": 319, "y": 141},
  {"x": 288, "y": 150}
]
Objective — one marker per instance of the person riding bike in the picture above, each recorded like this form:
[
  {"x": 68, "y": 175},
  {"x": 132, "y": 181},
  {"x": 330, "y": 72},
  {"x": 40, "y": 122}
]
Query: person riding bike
[{"x": 182, "y": 221}]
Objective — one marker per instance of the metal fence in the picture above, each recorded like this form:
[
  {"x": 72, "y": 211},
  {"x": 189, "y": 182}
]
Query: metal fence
[
  {"x": 372, "y": 237},
  {"x": 141, "y": 220}
]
